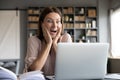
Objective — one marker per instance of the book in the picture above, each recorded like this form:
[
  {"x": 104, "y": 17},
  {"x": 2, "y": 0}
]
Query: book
[
  {"x": 6, "y": 74},
  {"x": 33, "y": 75},
  {"x": 115, "y": 76}
]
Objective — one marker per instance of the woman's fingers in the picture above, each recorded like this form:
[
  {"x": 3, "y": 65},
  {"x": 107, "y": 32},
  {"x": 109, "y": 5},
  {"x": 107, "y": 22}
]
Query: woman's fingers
[{"x": 46, "y": 34}]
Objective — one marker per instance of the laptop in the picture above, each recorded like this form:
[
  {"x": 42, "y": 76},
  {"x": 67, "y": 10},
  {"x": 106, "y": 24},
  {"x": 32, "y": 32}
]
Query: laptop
[{"x": 81, "y": 61}]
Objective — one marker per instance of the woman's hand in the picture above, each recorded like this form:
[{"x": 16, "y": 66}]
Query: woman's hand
[
  {"x": 55, "y": 40},
  {"x": 46, "y": 35}
]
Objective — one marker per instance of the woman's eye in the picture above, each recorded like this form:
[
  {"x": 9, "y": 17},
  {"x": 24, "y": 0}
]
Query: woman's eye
[
  {"x": 58, "y": 22},
  {"x": 48, "y": 20}
]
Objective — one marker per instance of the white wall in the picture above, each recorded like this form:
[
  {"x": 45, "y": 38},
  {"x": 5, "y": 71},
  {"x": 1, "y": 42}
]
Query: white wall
[
  {"x": 103, "y": 8},
  {"x": 9, "y": 35}
]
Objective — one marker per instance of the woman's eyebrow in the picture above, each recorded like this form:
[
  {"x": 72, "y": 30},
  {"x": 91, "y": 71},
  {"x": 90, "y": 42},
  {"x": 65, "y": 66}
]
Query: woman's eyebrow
[{"x": 53, "y": 19}]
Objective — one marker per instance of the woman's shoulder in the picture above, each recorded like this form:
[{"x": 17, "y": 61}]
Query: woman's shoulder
[
  {"x": 66, "y": 37},
  {"x": 33, "y": 38},
  {"x": 34, "y": 41}
]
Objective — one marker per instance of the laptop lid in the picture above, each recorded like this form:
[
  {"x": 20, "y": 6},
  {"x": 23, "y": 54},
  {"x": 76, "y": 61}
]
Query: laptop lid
[{"x": 81, "y": 61}]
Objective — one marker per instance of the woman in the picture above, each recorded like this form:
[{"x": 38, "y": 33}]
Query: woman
[{"x": 41, "y": 50}]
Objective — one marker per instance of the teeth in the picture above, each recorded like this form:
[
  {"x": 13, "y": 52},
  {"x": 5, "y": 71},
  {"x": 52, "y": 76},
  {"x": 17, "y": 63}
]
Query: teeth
[{"x": 53, "y": 31}]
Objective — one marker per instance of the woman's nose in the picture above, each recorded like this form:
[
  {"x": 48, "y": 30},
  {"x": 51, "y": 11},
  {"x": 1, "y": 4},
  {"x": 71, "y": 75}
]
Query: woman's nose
[{"x": 54, "y": 24}]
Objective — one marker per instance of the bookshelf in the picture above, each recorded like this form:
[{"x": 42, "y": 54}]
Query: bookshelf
[
  {"x": 33, "y": 19},
  {"x": 79, "y": 22}
]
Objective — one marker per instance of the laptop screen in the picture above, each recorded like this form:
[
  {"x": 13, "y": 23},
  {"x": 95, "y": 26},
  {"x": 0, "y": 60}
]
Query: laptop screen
[{"x": 81, "y": 61}]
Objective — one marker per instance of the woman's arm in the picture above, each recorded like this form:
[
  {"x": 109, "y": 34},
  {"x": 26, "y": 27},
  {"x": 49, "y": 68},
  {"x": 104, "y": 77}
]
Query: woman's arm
[{"x": 42, "y": 57}]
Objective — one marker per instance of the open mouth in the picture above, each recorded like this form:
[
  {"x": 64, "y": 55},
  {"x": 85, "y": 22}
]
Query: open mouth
[{"x": 53, "y": 31}]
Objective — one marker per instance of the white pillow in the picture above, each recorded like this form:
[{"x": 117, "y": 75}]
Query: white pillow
[{"x": 33, "y": 75}]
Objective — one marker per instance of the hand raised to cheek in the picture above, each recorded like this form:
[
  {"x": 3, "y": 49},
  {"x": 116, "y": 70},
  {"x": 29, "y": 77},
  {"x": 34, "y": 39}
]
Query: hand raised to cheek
[
  {"x": 55, "y": 40},
  {"x": 46, "y": 34}
]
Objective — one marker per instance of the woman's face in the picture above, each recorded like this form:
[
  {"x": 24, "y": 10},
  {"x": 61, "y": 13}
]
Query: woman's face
[{"x": 53, "y": 23}]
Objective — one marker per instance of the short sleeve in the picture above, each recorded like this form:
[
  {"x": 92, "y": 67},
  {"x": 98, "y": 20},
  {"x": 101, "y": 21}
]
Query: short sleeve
[{"x": 66, "y": 38}]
